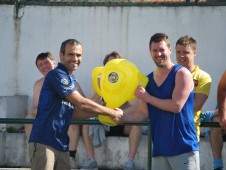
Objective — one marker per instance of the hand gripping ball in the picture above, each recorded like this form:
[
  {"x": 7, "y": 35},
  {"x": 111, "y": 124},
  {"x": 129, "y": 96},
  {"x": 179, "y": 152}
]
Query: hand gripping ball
[{"x": 118, "y": 80}]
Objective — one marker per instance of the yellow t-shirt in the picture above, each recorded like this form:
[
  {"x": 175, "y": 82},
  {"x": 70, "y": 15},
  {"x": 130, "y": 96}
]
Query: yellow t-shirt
[{"x": 202, "y": 83}]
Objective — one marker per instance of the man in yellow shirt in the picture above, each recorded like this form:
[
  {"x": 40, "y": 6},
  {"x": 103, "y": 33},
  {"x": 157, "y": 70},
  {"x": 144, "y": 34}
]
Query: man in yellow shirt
[{"x": 185, "y": 56}]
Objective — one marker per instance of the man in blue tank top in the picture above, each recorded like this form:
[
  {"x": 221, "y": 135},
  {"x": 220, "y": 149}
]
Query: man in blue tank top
[
  {"x": 168, "y": 101},
  {"x": 48, "y": 143}
]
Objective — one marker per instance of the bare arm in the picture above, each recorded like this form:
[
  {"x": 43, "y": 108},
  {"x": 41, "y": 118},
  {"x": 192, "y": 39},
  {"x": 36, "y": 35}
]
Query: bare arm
[
  {"x": 199, "y": 101},
  {"x": 94, "y": 96},
  {"x": 202, "y": 91},
  {"x": 79, "y": 89},
  {"x": 131, "y": 106},
  {"x": 221, "y": 99},
  {"x": 182, "y": 89},
  {"x": 88, "y": 105},
  {"x": 78, "y": 113},
  {"x": 141, "y": 114},
  {"x": 36, "y": 92},
  {"x": 84, "y": 115}
]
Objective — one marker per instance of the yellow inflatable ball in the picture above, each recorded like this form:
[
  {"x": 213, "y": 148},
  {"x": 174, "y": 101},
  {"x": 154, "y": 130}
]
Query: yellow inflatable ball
[{"x": 115, "y": 83}]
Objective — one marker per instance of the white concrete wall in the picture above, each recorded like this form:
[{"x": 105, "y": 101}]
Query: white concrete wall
[
  {"x": 13, "y": 107},
  {"x": 102, "y": 30}
]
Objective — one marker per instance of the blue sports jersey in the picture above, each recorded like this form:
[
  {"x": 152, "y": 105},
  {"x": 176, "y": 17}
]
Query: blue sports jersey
[
  {"x": 172, "y": 133},
  {"x": 54, "y": 113}
]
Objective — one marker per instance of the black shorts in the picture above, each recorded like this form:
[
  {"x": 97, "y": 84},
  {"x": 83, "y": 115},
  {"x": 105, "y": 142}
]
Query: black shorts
[{"x": 116, "y": 131}]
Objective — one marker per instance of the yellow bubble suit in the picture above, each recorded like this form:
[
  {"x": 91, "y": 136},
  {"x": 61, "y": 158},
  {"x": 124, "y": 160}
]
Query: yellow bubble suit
[{"x": 118, "y": 81}]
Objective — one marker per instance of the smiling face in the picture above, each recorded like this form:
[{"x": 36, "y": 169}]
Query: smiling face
[
  {"x": 185, "y": 55},
  {"x": 160, "y": 53},
  {"x": 186, "y": 52},
  {"x": 72, "y": 56},
  {"x": 45, "y": 65}
]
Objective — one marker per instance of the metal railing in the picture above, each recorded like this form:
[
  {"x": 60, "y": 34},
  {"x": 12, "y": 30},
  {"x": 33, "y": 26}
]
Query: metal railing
[
  {"x": 90, "y": 122},
  {"x": 95, "y": 122}
]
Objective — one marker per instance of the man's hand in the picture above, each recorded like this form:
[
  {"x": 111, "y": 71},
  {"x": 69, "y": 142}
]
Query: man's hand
[
  {"x": 141, "y": 93},
  {"x": 118, "y": 116}
]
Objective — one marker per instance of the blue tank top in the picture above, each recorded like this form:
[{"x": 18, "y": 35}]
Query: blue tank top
[
  {"x": 172, "y": 133},
  {"x": 54, "y": 110}
]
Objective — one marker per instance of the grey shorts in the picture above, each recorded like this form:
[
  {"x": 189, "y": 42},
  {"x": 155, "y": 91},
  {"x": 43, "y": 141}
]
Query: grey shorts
[{"x": 186, "y": 161}]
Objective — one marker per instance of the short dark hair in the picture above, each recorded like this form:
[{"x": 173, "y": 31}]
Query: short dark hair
[
  {"x": 114, "y": 54},
  {"x": 68, "y": 41},
  {"x": 158, "y": 37},
  {"x": 187, "y": 41},
  {"x": 43, "y": 56}
]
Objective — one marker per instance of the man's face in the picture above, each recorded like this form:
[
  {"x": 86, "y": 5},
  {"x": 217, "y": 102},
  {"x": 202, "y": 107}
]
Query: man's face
[
  {"x": 160, "y": 53},
  {"x": 72, "y": 57},
  {"x": 45, "y": 65},
  {"x": 185, "y": 55}
]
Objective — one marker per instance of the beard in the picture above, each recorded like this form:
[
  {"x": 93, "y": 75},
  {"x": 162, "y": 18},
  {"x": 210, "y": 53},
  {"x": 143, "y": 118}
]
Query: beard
[{"x": 159, "y": 64}]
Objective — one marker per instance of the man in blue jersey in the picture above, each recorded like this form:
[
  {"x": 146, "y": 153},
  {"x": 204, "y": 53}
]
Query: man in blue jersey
[
  {"x": 48, "y": 143},
  {"x": 168, "y": 101},
  {"x": 45, "y": 63}
]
